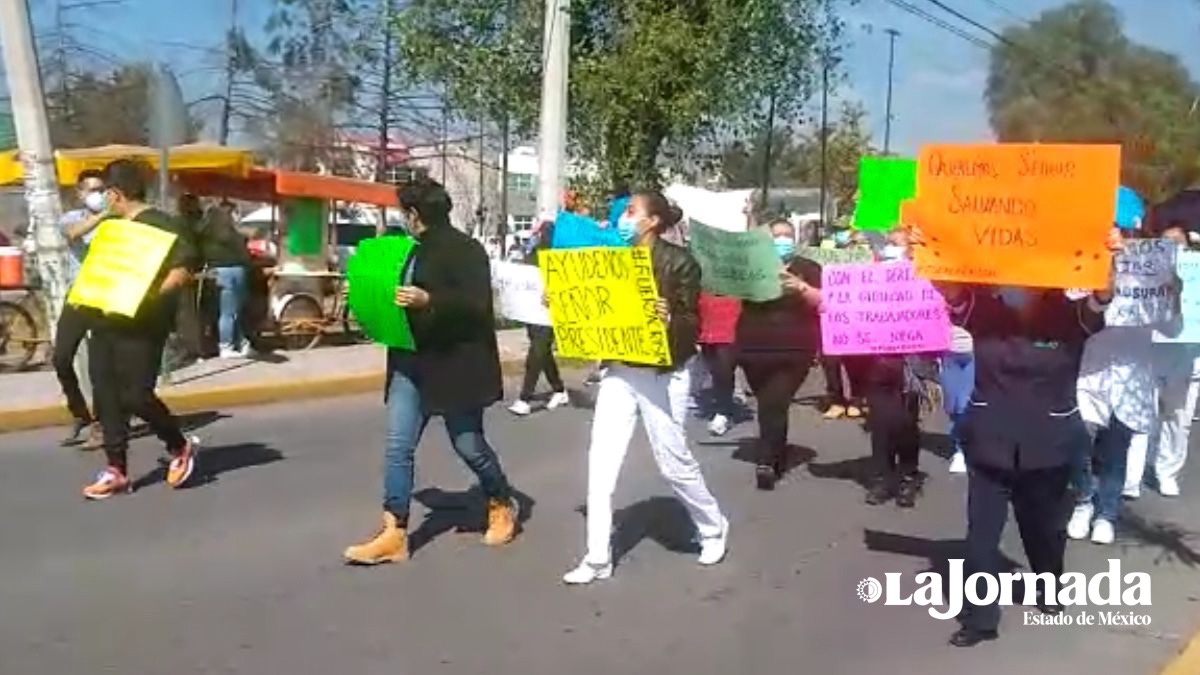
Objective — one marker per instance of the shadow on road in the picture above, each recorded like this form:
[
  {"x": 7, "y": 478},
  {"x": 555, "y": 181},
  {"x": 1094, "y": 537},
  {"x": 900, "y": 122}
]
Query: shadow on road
[
  {"x": 187, "y": 423},
  {"x": 1169, "y": 537},
  {"x": 859, "y": 470},
  {"x": 937, "y": 443},
  {"x": 212, "y": 462},
  {"x": 464, "y": 511}
]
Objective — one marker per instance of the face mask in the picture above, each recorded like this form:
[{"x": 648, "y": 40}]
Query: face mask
[
  {"x": 627, "y": 228},
  {"x": 1014, "y": 296},
  {"x": 841, "y": 237},
  {"x": 785, "y": 248},
  {"x": 892, "y": 252},
  {"x": 95, "y": 202}
]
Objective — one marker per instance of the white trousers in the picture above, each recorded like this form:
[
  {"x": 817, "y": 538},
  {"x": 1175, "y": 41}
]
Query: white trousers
[
  {"x": 661, "y": 400},
  {"x": 1135, "y": 460},
  {"x": 1173, "y": 427}
]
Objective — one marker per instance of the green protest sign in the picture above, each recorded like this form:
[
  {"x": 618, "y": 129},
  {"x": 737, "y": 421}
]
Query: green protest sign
[
  {"x": 374, "y": 274},
  {"x": 835, "y": 256},
  {"x": 736, "y": 264},
  {"x": 883, "y": 182}
]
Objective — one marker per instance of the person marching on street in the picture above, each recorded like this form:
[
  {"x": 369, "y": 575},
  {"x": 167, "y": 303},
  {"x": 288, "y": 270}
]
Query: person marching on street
[
  {"x": 70, "y": 335},
  {"x": 657, "y": 395},
  {"x": 446, "y": 293},
  {"x": 126, "y": 352},
  {"x": 1022, "y": 428},
  {"x": 718, "y": 329},
  {"x": 539, "y": 359},
  {"x": 777, "y": 342}
]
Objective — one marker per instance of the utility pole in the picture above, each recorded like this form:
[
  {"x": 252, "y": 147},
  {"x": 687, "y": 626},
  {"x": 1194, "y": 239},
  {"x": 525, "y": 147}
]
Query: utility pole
[
  {"x": 481, "y": 209},
  {"x": 230, "y": 65},
  {"x": 824, "y": 138},
  {"x": 385, "y": 99},
  {"x": 502, "y": 228},
  {"x": 887, "y": 127},
  {"x": 552, "y": 155},
  {"x": 37, "y": 155},
  {"x": 445, "y": 137},
  {"x": 766, "y": 168}
]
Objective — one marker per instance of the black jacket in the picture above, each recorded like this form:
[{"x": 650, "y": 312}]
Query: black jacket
[
  {"x": 677, "y": 275},
  {"x": 786, "y": 324},
  {"x": 220, "y": 243},
  {"x": 456, "y": 367},
  {"x": 1023, "y": 412}
]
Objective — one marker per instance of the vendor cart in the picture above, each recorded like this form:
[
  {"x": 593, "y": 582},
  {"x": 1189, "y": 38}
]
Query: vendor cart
[{"x": 304, "y": 290}]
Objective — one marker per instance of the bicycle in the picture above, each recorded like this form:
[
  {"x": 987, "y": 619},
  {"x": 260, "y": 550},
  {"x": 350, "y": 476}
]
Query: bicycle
[{"x": 20, "y": 335}]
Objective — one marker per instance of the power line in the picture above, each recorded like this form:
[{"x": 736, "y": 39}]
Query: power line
[
  {"x": 941, "y": 23},
  {"x": 995, "y": 4}
]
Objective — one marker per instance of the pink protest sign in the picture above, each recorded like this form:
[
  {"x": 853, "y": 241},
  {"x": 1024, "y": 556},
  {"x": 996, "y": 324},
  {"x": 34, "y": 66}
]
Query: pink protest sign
[{"x": 881, "y": 309}]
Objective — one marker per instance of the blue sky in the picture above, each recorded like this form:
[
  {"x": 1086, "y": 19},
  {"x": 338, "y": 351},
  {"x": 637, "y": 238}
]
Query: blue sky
[{"x": 939, "y": 77}]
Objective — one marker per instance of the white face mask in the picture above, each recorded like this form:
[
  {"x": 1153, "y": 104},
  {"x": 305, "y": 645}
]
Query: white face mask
[
  {"x": 94, "y": 201},
  {"x": 892, "y": 252}
]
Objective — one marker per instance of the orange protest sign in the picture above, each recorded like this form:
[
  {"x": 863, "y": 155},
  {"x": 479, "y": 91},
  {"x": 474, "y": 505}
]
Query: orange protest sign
[{"x": 1016, "y": 214}]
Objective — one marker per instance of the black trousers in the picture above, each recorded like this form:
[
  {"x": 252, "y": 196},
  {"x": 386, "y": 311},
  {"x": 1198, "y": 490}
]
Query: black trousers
[
  {"x": 124, "y": 371},
  {"x": 721, "y": 361},
  {"x": 540, "y": 359},
  {"x": 72, "y": 328},
  {"x": 837, "y": 391},
  {"x": 774, "y": 377},
  {"x": 893, "y": 418},
  {"x": 1040, "y": 504}
]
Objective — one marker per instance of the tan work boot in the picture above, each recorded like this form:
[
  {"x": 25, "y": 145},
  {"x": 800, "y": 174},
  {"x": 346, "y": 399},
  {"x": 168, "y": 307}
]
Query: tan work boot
[
  {"x": 388, "y": 546},
  {"x": 502, "y": 522}
]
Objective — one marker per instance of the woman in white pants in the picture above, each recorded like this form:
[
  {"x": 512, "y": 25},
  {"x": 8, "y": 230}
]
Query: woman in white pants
[{"x": 658, "y": 395}]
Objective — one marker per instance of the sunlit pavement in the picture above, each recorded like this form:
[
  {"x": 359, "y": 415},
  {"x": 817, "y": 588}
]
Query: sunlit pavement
[{"x": 241, "y": 574}]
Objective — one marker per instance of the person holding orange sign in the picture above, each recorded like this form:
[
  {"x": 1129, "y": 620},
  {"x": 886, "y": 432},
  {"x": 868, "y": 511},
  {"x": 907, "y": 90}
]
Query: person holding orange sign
[{"x": 1022, "y": 427}]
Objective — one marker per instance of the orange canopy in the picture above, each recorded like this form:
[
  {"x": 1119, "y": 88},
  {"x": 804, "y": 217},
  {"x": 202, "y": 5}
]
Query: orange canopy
[{"x": 270, "y": 185}]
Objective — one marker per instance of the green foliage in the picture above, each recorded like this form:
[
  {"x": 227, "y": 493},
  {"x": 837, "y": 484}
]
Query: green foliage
[
  {"x": 644, "y": 73},
  {"x": 1073, "y": 76},
  {"x": 796, "y": 156}
]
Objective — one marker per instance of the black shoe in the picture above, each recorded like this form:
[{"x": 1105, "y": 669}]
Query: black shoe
[
  {"x": 765, "y": 477},
  {"x": 1050, "y": 608},
  {"x": 76, "y": 435},
  {"x": 879, "y": 491},
  {"x": 910, "y": 488},
  {"x": 969, "y": 637}
]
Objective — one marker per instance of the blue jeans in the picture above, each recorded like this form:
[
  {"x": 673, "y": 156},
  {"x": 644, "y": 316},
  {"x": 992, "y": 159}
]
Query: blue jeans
[
  {"x": 958, "y": 383},
  {"x": 406, "y": 423},
  {"x": 1098, "y": 472},
  {"x": 232, "y": 283}
]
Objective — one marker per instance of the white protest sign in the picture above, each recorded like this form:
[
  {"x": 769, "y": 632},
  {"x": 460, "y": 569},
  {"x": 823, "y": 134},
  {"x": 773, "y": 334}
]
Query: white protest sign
[
  {"x": 519, "y": 292},
  {"x": 1187, "y": 266},
  {"x": 1144, "y": 291}
]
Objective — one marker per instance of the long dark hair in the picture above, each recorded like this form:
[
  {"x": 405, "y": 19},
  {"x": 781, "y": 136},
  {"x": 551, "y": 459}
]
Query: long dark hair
[{"x": 659, "y": 206}]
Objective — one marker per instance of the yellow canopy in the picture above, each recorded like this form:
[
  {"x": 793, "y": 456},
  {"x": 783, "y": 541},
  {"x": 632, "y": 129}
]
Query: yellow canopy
[{"x": 183, "y": 158}]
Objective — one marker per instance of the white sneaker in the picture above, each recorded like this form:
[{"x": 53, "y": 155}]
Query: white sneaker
[
  {"x": 229, "y": 353},
  {"x": 588, "y": 572},
  {"x": 713, "y": 549},
  {"x": 247, "y": 351},
  {"x": 1081, "y": 521},
  {"x": 958, "y": 463},
  {"x": 1132, "y": 492},
  {"x": 719, "y": 426},
  {"x": 520, "y": 408},
  {"x": 558, "y": 400},
  {"x": 1102, "y": 532},
  {"x": 1168, "y": 487}
]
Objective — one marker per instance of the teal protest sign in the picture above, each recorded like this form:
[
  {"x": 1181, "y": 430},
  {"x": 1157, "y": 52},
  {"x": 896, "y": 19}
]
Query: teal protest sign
[
  {"x": 883, "y": 182},
  {"x": 374, "y": 274},
  {"x": 736, "y": 264},
  {"x": 835, "y": 256}
]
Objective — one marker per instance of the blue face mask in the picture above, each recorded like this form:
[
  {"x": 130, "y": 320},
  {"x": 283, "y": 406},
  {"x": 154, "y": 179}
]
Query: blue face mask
[
  {"x": 785, "y": 248},
  {"x": 627, "y": 228},
  {"x": 841, "y": 237},
  {"x": 1014, "y": 296}
]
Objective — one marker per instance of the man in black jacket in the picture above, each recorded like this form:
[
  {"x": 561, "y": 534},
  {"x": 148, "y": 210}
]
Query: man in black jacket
[{"x": 455, "y": 371}]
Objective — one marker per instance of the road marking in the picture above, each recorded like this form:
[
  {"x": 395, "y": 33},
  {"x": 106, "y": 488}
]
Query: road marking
[{"x": 1187, "y": 662}]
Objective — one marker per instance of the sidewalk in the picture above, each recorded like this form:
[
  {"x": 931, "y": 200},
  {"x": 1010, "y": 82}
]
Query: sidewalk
[{"x": 32, "y": 400}]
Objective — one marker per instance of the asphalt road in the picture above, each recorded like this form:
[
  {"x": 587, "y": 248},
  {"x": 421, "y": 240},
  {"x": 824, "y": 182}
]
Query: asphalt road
[{"x": 241, "y": 574}]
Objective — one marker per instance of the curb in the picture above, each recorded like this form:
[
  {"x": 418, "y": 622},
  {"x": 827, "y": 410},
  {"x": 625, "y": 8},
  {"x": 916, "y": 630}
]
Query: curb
[
  {"x": 200, "y": 400},
  {"x": 1187, "y": 661}
]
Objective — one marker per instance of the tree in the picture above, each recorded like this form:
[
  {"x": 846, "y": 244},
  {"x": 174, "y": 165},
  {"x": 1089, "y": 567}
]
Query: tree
[
  {"x": 644, "y": 73},
  {"x": 796, "y": 156},
  {"x": 1073, "y": 76},
  {"x": 102, "y": 109}
]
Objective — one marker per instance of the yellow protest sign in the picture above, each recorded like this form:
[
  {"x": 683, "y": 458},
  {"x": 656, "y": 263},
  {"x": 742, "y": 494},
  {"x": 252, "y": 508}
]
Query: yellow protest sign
[
  {"x": 602, "y": 304},
  {"x": 123, "y": 261},
  {"x": 1016, "y": 214}
]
